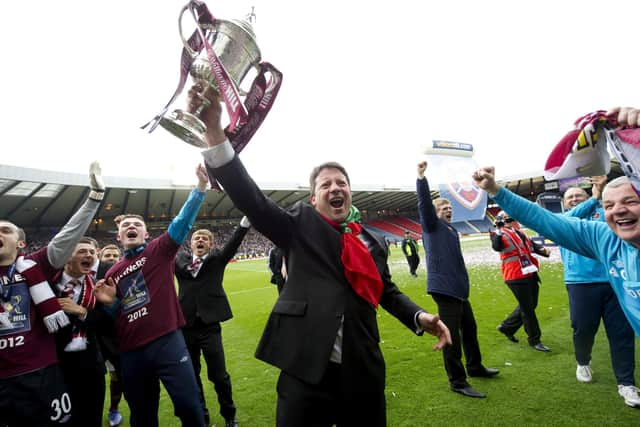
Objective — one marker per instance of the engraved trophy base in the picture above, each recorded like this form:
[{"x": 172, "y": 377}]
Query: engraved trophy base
[{"x": 187, "y": 127}]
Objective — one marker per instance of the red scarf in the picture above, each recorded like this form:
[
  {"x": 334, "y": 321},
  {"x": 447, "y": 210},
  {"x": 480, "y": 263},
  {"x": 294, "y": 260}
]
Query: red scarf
[{"x": 359, "y": 267}]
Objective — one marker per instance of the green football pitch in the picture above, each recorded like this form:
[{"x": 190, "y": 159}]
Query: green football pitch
[{"x": 532, "y": 388}]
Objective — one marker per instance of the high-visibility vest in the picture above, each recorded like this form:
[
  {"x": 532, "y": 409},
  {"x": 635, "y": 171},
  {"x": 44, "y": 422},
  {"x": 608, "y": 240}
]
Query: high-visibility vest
[{"x": 515, "y": 247}]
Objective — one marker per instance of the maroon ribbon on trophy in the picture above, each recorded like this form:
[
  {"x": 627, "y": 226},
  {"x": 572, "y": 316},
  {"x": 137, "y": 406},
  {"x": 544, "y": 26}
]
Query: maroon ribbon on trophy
[{"x": 245, "y": 119}]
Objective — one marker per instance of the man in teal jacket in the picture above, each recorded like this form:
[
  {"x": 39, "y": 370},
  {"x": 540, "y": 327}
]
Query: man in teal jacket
[
  {"x": 591, "y": 298},
  {"x": 615, "y": 244}
]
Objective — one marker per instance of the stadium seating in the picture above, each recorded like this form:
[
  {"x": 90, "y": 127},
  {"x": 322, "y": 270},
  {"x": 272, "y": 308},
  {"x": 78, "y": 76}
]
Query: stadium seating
[
  {"x": 406, "y": 223},
  {"x": 387, "y": 227}
]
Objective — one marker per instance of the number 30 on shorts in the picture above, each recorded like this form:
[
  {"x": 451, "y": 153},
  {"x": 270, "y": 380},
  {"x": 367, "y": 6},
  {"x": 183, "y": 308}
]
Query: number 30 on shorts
[{"x": 61, "y": 408}]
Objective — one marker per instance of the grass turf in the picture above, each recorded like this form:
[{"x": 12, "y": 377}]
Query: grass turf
[{"x": 532, "y": 388}]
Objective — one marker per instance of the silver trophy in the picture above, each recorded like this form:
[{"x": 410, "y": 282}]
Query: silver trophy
[{"x": 234, "y": 43}]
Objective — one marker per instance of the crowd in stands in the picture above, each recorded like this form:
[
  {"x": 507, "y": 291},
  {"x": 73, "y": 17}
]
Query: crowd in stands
[{"x": 254, "y": 245}]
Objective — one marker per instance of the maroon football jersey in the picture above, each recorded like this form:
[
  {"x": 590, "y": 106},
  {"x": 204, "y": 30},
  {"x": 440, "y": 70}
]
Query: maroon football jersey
[
  {"x": 25, "y": 343},
  {"x": 149, "y": 306}
]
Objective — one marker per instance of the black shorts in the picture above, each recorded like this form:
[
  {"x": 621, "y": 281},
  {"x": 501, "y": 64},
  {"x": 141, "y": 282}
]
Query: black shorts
[{"x": 38, "y": 398}]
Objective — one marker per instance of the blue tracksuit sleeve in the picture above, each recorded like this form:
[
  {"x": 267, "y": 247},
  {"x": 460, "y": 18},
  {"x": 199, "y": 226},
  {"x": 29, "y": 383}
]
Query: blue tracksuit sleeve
[
  {"x": 181, "y": 224},
  {"x": 574, "y": 234}
]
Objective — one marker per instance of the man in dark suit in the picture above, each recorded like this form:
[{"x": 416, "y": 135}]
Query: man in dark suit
[
  {"x": 204, "y": 305},
  {"x": 322, "y": 332}
]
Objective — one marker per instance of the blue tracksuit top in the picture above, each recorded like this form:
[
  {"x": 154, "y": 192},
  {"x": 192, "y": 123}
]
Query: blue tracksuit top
[
  {"x": 593, "y": 239},
  {"x": 446, "y": 272},
  {"x": 577, "y": 268}
]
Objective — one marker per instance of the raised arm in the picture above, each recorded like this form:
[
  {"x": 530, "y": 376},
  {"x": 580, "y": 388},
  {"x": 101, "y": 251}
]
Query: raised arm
[
  {"x": 231, "y": 247},
  {"x": 426, "y": 210},
  {"x": 61, "y": 247},
  {"x": 223, "y": 164},
  {"x": 576, "y": 235},
  {"x": 181, "y": 224}
]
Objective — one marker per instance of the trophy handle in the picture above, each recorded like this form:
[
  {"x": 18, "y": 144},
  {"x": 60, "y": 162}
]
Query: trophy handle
[
  {"x": 243, "y": 92},
  {"x": 192, "y": 52}
]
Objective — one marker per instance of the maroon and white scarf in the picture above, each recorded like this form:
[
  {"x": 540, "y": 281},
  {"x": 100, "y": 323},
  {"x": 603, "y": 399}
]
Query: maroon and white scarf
[
  {"x": 583, "y": 150},
  {"x": 42, "y": 296},
  {"x": 87, "y": 300}
]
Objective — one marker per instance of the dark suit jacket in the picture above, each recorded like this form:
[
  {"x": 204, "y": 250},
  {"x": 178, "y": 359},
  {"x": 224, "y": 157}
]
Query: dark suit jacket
[
  {"x": 302, "y": 327},
  {"x": 203, "y": 295}
]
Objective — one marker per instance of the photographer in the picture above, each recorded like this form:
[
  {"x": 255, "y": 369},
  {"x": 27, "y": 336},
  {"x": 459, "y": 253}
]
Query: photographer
[{"x": 520, "y": 273}]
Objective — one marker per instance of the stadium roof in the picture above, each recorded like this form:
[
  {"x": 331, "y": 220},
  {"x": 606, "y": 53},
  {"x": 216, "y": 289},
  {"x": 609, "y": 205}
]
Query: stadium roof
[{"x": 34, "y": 198}]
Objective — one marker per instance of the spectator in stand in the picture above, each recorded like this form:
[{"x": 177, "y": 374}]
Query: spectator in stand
[
  {"x": 448, "y": 284},
  {"x": 204, "y": 303},
  {"x": 149, "y": 318},
  {"x": 520, "y": 273},
  {"x": 591, "y": 298},
  {"x": 410, "y": 251},
  {"x": 32, "y": 390}
]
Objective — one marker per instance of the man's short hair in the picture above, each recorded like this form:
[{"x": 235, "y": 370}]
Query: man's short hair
[
  {"x": 111, "y": 247},
  {"x": 204, "y": 231},
  {"x": 326, "y": 165},
  {"x": 21, "y": 234},
  {"x": 440, "y": 201},
  {"x": 88, "y": 240},
  {"x": 121, "y": 218},
  {"x": 572, "y": 187},
  {"x": 618, "y": 182}
]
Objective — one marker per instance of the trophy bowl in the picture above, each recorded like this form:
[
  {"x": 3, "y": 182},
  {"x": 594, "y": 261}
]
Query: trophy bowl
[{"x": 234, "y": 43}]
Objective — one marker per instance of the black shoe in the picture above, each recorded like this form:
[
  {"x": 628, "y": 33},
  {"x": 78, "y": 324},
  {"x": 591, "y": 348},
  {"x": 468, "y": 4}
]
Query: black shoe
[
  {"x": 467, "y": 390},
  {"x": 510, "y": 337},
  {"x": 541, "y": 347},
  {"x": 484, "y": 372},
  {"x": 231, "y": 423}
]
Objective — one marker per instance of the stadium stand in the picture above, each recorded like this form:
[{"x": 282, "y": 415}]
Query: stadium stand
[
  {"x": 391, "y": 237},
  {"x": 388, "y": 227},
  {"x": 406, "y": 223},
  {"x": 482, "y": 225}
]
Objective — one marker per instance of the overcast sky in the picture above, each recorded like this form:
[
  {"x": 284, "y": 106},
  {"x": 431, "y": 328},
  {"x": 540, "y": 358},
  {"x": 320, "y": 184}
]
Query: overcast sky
[{"x": 366, "y": 83}]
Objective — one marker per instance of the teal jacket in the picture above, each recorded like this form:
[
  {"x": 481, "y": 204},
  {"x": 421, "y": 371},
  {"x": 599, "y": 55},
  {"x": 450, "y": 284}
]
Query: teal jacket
[
  {"x": 593, "y": 239},
  {"x": 577, "y": 268}
]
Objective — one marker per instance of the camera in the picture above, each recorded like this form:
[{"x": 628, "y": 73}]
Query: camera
[{"x": 499, "y": 222}]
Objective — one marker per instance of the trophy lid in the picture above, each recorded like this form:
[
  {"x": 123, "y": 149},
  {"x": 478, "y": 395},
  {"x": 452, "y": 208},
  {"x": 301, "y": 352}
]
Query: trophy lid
[{"x": 246, "y": 26}]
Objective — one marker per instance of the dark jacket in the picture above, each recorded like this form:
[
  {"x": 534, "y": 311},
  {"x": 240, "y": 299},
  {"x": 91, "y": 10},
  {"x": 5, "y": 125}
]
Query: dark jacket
[
  {"x": 203, "y": 296},
  {"x": 303, "y": 325},
  {"x": 446, "y": 272}
]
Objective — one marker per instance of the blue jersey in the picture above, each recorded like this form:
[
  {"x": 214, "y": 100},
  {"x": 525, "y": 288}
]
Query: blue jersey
[
  {"x": 593, "y": 239},
  {"x": 577, "y": 268}
]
